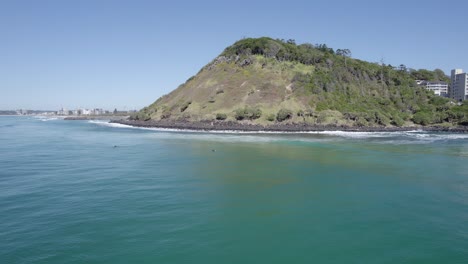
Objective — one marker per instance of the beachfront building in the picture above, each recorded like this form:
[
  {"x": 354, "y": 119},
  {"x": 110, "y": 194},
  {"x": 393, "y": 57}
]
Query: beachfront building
[
  {"x": 22, "y": 112},
  {"x": 459, "y": 85},
  {"x": 62, "y": 111},
  {"x": 439, "y": 88},
  {"x": 97, "y": 111},
  {"x": 85, "y": 111}
]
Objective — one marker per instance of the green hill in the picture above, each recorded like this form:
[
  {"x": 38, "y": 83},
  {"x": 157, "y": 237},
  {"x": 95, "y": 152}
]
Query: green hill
[{"x": 266, "y": 81}]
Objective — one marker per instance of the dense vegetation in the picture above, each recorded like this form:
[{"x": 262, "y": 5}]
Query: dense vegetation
[
  {"x": 248, "y": 113},
  {"x": 323, "y": 86},
  {"x": 310, "y": 54}
]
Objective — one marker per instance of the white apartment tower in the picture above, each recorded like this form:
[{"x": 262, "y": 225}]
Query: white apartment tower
[
  {"x": 459, "y": 86},
  {"x": 439, "y": 88}
]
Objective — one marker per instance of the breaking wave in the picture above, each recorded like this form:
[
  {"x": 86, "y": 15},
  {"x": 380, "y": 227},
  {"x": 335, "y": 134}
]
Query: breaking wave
[{"x": 47, "y": 118}]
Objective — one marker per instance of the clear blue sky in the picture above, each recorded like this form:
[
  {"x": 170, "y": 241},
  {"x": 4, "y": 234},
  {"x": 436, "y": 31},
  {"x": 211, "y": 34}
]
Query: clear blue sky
[{"x": 128, "y": 53}]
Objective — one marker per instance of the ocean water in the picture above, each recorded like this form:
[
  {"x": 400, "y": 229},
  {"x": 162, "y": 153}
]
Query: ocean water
[{"x": 92, "y": 192}]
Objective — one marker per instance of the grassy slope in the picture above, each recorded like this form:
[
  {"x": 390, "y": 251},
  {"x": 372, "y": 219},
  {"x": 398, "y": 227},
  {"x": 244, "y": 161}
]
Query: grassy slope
[
  {"x": 271, "y": 75},
  {"x": 225, "y": 87}
]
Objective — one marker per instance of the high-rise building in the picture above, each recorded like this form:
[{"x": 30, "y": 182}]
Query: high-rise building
[
  {"x": 459, "y": 85},
  {"x": 439, "y": 88}
]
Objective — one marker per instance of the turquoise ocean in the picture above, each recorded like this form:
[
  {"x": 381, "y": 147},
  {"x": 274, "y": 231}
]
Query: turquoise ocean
[{"x": 93, "y": 192}]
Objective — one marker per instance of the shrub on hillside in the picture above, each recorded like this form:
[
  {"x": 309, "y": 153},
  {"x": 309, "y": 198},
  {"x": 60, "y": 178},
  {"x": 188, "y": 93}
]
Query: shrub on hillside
[
  {"x": 463, "y": 122},
  {"x": 239, "y": 114},
  {"x": 329, "y": 117},
  {"x": 166, "y": 114},
  {"x": 381, "y": 119},
  {"x": 284, "y": 114},
  {"x": 271, "y": 117},
  {"x": 248, "y": 113},
  {"x": 140, "y": 116},
  {"x": 422, "y": 118},
  {"x": 221, "y": 116},
  {"x": 185, "y": 106},
  {"x": 398, "y": 121}
]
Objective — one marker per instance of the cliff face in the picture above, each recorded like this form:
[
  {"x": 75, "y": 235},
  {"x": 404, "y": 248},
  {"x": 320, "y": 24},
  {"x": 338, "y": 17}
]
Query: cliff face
[{"x": 266, "y": 81}]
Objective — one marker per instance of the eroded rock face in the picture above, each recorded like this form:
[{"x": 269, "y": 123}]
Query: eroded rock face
[
  {"x": 221, "y": 59},
  {"x": 245, "y": 62}
]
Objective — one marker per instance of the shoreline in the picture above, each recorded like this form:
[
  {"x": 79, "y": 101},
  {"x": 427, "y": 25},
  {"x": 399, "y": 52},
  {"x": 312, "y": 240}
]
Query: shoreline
[
  {"x": 97, "y": 117},
  {"x": 277, "y": 127}
]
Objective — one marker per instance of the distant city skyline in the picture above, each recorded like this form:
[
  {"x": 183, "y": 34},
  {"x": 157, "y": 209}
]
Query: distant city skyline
[
  {"x": 72, "y": 108},
  {"x": 126, "y": 54}
]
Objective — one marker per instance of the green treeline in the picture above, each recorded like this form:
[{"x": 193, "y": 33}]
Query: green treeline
[{"x": 367, "y": 93}]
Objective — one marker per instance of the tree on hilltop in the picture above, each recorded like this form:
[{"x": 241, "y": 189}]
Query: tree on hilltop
[{"x": 345, "y": 53}]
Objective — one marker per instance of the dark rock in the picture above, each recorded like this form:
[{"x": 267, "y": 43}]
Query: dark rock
[
  {"x": 245, "y": 62},
  {"x": 209, "y": 125}
]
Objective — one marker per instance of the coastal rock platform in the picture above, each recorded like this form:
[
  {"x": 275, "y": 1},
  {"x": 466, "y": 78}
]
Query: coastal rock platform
[{"x": 276, "y": 127}]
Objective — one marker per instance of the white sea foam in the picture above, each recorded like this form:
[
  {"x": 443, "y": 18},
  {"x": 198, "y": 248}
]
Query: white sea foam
[
  {"x": 106, "y": 123},
  {"x": 400, "y": 137},
  {"x": 349, "y": 134},
  {"x": 47, "y": 118}
]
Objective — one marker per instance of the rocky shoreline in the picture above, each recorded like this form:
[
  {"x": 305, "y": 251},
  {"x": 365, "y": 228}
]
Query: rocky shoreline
[{"x": 277, "y": 127}]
